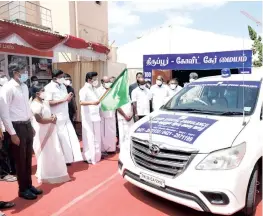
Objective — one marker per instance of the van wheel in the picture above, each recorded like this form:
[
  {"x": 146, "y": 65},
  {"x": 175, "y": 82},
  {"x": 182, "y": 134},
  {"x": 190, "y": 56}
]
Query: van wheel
[{"x": 250, "y": 207}]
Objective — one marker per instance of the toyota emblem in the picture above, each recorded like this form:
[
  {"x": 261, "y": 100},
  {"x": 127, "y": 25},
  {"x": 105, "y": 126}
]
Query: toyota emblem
[{"x": 154, "y": 149}]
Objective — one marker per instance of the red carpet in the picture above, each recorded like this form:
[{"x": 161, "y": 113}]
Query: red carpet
[{"x": 114, "y": 197}]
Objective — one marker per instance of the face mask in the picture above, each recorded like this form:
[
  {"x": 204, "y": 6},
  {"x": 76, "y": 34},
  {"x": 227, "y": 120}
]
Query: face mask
[
  {"x": 107, "y": 85},
  {"x": 67, "y": 82},
  {"x": 61, "y": 80},
  {"x": 191, "y": 80},
  {"x": 3, "y": 80},
  {"x": 42, "y": 95},
  {"x": 95, "y": 83},
  {"x": 142, "y": 87},
  {"x": 159, "y": 82},
  {"x": 34, "y": 82},
  {"x": 23, "y": 78},
  {"x": 173, "y": 86}
]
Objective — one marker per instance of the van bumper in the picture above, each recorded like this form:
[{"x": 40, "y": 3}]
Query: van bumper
[{"x": 194, "y": 195}]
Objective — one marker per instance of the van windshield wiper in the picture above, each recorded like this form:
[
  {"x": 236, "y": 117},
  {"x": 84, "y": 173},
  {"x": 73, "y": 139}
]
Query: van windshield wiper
[
  {"x": 192, "y": 110},
  {"x": 229, "y": 113}
]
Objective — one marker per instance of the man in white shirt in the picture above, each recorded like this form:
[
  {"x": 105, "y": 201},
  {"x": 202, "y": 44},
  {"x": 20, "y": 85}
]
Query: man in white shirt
[
  {"x": 16, "y": 116},
  {"x": 90, "y": 119},
  {"x": 159, "y": 93},
  {"x": 108, "y": 121},
  {"x": 141, "y": 99},
  {"x": 192, "y": 77},
  {"x": 58, "y": 97},
  {"x": 173, "y": 88}
]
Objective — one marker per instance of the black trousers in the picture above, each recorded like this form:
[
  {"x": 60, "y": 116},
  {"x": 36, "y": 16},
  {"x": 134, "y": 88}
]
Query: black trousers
[
  {"x": 7, "y": 164},
  {"x": 23, "y": 154}
]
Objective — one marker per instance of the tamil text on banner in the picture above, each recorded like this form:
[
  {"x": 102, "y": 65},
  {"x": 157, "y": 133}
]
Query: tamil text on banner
[
  {"x": 117, "y": 95},
  {"x": 197, "y": 61},
  {"x": 180, "y": 127}
]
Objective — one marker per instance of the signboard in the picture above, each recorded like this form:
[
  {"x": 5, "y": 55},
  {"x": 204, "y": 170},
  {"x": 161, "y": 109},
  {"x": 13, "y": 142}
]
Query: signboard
[
  {"x": 197, "y": 61},
  {"x": 17, "y": 49},
  {"x": 180, "y": 127}
]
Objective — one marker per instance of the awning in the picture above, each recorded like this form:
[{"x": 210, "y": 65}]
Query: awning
[{"x": 24, "y": 35}]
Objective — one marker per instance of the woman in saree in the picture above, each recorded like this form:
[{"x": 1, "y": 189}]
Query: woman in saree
[{"x": 51, "y": 165}]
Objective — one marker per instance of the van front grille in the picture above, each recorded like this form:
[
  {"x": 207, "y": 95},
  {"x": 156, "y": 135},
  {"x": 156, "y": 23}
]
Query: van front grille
[{"x": 166, "y": 162}]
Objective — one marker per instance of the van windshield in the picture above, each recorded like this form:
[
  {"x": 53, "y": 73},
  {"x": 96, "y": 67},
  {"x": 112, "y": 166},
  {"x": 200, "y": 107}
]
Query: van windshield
[{"x": 216, "y": 98}]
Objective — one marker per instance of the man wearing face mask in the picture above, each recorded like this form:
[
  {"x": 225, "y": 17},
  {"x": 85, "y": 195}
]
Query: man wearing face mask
[
  {"x": 58, "y": 97},
  {"x": 72, "y": 106},
  {"x": 108, "y": 121},
  {"x": 16, "y": 116},
  {"x": 173, "y": 88},
  {"x": 90, "y": 116},
  {"x": 133, "y": 86},
  {"x": 141, "y": 99},
  {"x": 192, "y": 77},
  {"x": 159, "y": 93},
  {"x": 34, "y": 81}
]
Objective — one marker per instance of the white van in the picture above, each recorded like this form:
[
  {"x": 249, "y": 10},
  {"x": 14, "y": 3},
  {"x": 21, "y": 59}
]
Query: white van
[{"x": 203, "y": 149}]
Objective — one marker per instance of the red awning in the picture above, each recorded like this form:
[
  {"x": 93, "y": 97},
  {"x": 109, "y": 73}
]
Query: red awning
[{"x": 45, "y": 40}]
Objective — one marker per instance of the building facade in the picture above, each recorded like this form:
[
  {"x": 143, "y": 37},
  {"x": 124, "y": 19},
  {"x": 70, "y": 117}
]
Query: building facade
[{"x": 84, "y": 19}]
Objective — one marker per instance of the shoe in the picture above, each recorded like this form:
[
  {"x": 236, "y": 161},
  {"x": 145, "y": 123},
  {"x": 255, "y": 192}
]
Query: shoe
[
  {"x": 28, "y": 195},
  {"x": 2, "y": 214},
  {"x": 5, "y": 205},
  {"x": 35, "y": 191},
  {"x": 9, "y": 178}
]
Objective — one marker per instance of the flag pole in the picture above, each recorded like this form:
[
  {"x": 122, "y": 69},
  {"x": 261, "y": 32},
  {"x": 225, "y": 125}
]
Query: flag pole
[
  {"x": 150, "y": 134},
  {"x": 104, "y": 95}
]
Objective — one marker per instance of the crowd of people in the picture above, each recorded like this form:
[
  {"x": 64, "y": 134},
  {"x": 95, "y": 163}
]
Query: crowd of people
[{"x": 41, "y": 120}]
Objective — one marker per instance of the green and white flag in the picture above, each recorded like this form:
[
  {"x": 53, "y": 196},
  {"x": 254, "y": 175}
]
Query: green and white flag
[{"x": 117, "y": 95}]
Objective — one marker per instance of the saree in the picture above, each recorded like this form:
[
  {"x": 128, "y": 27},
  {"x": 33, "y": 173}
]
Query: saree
[{"x": 51, "y": 165}]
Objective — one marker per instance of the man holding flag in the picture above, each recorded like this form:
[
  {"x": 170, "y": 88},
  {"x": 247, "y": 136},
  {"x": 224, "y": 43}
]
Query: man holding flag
[{"x": 90, "y": 116}]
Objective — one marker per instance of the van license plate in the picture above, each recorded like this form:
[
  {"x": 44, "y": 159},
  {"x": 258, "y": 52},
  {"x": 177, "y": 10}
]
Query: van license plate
[{"x": 153, "y": 180}]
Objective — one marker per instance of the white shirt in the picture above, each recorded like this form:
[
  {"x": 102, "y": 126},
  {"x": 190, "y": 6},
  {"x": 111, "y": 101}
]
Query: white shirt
[
  {"x": 172, "y": 92},
  {"x": 159, "y": 94},
  {"x": 142, "y": 99},
  {"x": 127, "y": 109},
  {"x": 14, "y": 104},
  {"x": 1, "y": 122},
  {"x": 91, "y": 112},
  {"x": 56, "y": 92},
  {"x": 106, "y": 114}
]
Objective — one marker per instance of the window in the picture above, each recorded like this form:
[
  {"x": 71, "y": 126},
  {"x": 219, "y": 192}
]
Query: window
[
  {"x": 216, "y": 97},
  {"x": 98, "y": 2}
]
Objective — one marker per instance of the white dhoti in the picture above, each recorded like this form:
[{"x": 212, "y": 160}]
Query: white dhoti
[
  {"x": 69, "y": 141},
  {"x": 91, "y": 141},
  {"x": 124, "y": 129},
  {"x": 108, "y": 134}
]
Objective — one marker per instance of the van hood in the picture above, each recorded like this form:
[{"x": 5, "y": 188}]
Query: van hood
[{"x": 190, "y": 132}]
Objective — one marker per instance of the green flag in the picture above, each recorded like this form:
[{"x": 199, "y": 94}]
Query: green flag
[{"x": 118, "y": 94}]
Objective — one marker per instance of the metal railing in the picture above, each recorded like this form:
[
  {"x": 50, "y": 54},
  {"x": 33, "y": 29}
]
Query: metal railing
[{"x": 27, "y": 12}]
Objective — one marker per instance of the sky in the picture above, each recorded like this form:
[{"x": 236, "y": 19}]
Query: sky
[{"x": 129, "y": 20}]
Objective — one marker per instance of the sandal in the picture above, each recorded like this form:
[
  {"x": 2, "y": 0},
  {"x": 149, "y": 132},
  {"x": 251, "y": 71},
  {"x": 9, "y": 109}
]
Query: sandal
[{"x": 5, "y": 205}]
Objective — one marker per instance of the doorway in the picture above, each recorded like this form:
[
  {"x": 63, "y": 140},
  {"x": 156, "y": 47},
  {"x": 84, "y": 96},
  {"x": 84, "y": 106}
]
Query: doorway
[{"x": 183, "y": 76}]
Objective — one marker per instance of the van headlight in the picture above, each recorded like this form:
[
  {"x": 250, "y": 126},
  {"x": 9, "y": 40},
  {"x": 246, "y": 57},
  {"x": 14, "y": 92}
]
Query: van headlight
[{"x": 225, "y": 159}]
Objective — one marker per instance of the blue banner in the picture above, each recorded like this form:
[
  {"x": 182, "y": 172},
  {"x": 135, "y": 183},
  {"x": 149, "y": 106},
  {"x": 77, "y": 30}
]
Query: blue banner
[
  {"x": 197, "y": 61},
  {"x": 184, "y": 128}
]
